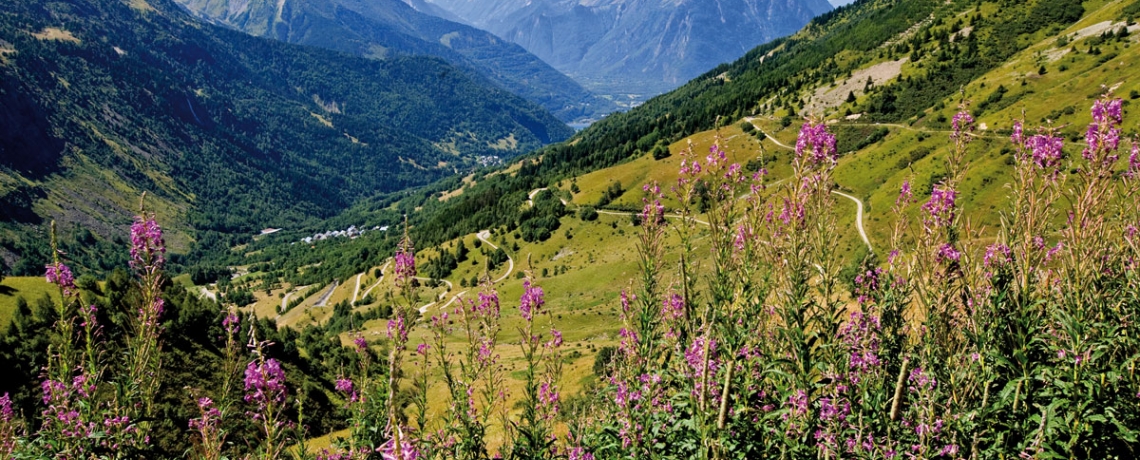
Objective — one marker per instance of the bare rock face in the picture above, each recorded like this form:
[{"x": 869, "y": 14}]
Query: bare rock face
[{"x": 637, "y": 44}]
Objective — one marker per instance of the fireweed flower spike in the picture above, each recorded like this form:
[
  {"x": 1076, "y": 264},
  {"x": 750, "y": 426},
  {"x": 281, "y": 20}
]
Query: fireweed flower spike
[
  {"x": 531, "y": 301},
  {"x": 1103, "y": 134},
  {"x": 148, "y": 258},
  {"x": 265, "y": 392},
  {"x": 816, "y": 146},
  {"x": 59, "y": 274},
  {"x": 8, "y": 427}
]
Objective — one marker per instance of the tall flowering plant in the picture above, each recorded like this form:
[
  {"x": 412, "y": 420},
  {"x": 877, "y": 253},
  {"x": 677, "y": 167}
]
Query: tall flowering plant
[
  {"x": 148, "y": 259},
  {"x": 10, "y": 427},
  {"x": 534, "y": 437},
  {"x": 91, "y": 408},
  {"x": 265, "y": 398},
  {"x": 475, "y": 382},
  {"x": 208, "y": 427},
  {"x": 400, "y": 445}
]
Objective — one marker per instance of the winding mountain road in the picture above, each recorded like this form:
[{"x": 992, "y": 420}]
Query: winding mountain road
[
  {"x": 356, "y": 291},
  {"x": 858, "y": 217},
  {"x": 530, "y": 196},
  {"x": 378, "y": 280},
  {"x": 485, "y": 235}
]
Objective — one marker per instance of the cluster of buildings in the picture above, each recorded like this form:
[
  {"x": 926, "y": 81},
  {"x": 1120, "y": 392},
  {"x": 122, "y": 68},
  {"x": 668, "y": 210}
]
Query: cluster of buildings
[
  {"x": 489, "y": 160},
  {"x": 351, "y": 232}
]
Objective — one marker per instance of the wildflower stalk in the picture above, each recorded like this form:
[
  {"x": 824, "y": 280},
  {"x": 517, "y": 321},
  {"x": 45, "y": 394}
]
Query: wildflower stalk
[
  {"x": 148, "y": 258},
  {"x": 542, "y": 374},
  {"x": 398, "y": 445},
  {"x": 265, "y": 390}
]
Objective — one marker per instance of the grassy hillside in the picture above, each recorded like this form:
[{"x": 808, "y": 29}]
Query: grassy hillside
[
  {"x": 29, "y": 288},
  {"x": 881, "y": 148}
]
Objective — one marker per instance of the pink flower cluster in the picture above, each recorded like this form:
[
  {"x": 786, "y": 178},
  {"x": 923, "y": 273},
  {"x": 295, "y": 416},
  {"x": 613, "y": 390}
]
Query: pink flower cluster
[
  {"x": 147, "y": 246},
  {"x": 653, "y": 213},
  {"x": 1103, "y": 134},
  {"x": 398, "y": 329},
  {"x": 231, "y": 323},
  {"x": 940, "y": 207},
  {"x": 405, "y": 262},
  {"x": 264, "y": 383},
  {"x": 962, "y": 121},
  {"x": 531, "y": 301},
  {"x": 816, "y": 145},
  {"x": 1045, "y": 150},
  {"x": 345, "y": 387},
  {"x": 407, "y": 451},
  {"x": 5, "y": 408},
  {"x": 210, "y": 418},
  {"x": 60, "y": 274},
  {"x": 997, "y": 254}
]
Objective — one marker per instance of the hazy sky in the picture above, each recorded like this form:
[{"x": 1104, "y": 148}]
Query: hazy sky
[{"x": 840, "y": 2}]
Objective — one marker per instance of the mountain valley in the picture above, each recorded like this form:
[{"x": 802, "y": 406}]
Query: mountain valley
[{"x": 710, "y": 267}]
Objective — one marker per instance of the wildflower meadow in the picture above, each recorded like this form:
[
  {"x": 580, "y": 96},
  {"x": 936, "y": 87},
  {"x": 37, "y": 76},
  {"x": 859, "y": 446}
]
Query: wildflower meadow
[{"x": 955, "y": 342}]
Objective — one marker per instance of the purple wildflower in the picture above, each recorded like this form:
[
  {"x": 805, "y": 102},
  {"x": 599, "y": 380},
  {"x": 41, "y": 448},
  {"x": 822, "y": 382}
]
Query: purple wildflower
[
  {"x": 147, "y": 246},
  {"x": 231, "y": 323},
  {"x": 1103, "y": 134},
  {"x": 531, "y": 300},
  {"x": 579, "y": 453},
  {"x": 997, "y": 254},
  {"x": 407, "y": 450},
  {"x": 920, "y": 381},
  {"x": 345, "y": 387},
  {"x": 398, "y": 329},
  {"x": 5, "y": 408},
  {"x": 947, "y": 253},
  {"x": 488, "y": 304},
  {"x": 1052, "y": 252},
  {"x": 695, "y": 356},
  {"x": 1047, "y": 151},
  {"x": 1018, "y": 136},
  {"x": 743, "y": 235},
  {"x": 60, "y": 274},
  {"x": 816, "y": 145},
  {"x": 798, "y": 403},
  {"x": 962, "y": 121},
  {"x": 405, "y": 266},
  {"x": 1134, "y": 161},
  {"x": 673, "y": 307},
  {"x": 264, "y": 382},
  {"x": 861, "y": 335},
  {"x": 548, "y": 399},
  {"x": 904, "y": 194},
  {"x": 940, "y": 207},
  {"x": 205, "y": 424}
]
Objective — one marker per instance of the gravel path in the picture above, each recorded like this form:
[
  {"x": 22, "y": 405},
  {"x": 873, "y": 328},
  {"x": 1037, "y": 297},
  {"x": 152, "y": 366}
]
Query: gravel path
[
  {"x": 858, "y": 217},
  {"x": 485, "y": 235}
]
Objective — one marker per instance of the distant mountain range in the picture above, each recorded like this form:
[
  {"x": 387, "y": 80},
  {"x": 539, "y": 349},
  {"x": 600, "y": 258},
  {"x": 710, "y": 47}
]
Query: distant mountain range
[
  {"x": 101, "y": 100},
  {"x": 380, "y": 29},
  {"x": 637, "y": 46}
]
